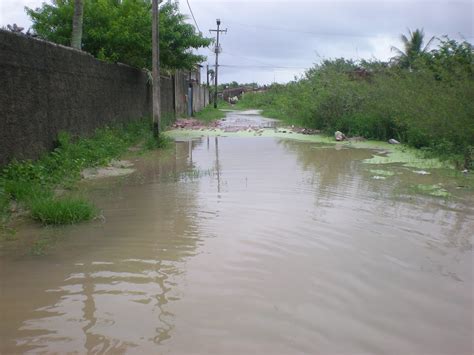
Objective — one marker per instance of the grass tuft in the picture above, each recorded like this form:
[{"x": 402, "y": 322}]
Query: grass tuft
[{"x": 67, "y": 210}]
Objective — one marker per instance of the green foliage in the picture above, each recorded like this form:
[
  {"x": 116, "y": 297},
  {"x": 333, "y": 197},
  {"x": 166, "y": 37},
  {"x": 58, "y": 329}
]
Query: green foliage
[
  {"x": 429, "y": 106},
  {"x": 62, "y": 211},
  {"x": 209, "y": 114},
  {"x": 4, "y": 206},
  {"x": 234, "y": 84},
  {"x": 162, "y": 142},
  {"x": 32, "y": 183},
  {"x": 413, "y": 49},
  {"x": 120, "y": 31},
  {"x": 451, "y": 60}
]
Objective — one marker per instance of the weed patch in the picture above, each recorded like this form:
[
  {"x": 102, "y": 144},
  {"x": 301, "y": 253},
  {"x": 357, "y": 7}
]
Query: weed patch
[
  {"x": 62, "y": 211},
  {"x": 160, "y": 142},
  {"x": 209, "y": 114},
  {"x": 31, "y": 183}
]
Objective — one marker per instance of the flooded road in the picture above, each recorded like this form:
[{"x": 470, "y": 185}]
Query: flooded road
[{"x": 228, "y": 245}]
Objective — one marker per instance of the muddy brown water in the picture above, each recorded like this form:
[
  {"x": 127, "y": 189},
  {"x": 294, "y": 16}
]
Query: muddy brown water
[{"x": 249, "y": 245}]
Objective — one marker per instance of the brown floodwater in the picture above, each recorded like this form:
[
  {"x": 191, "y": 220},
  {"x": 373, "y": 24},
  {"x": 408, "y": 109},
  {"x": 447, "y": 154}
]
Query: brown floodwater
[{"x": 227, "y": 245}]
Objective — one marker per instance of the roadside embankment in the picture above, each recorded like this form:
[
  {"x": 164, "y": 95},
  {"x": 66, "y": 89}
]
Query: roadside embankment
[{"x": 45, "y": 189}]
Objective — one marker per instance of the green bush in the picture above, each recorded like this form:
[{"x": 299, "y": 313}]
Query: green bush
[{"x": 383, "y": 102}]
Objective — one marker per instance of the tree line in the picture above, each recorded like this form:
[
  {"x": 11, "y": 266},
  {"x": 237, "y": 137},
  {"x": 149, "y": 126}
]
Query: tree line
[{"x": 120, "y": 31}]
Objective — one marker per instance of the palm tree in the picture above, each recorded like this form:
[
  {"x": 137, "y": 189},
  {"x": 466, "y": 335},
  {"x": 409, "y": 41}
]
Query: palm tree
[
  {"x": 76, "y": 38},
  {"x": 413, "y": 48}
]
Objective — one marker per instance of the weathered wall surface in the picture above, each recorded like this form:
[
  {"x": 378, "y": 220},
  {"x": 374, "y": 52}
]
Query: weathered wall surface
[
  {"x": 181, "y": 92},
  {"x": 47, "y": 88},
  {"x": 200, "y": 97}
]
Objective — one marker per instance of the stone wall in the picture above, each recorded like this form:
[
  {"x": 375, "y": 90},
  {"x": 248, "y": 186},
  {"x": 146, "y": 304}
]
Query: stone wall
[{"x": 47, "y": 88}]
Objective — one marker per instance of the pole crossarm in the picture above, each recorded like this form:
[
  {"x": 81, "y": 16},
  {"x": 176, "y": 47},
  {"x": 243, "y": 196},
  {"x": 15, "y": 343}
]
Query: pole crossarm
[{"x": 218, "y": 31}]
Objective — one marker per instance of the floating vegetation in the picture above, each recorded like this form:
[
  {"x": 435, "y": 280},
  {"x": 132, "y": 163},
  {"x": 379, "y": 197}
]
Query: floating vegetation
[
  {"x": 408, "y": 157},
  {"x": 436, "y": 190},
  {"x": 388, "y": 153},
  {"x": 421, "y": 172},
  {"x": 380, "y": 172}
]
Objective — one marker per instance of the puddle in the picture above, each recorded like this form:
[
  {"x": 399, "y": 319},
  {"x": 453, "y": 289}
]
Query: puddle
[{"x": 236, "y": 245}]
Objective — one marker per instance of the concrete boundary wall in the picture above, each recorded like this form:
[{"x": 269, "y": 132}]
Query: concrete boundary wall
[{"x": 47, "y": 88}]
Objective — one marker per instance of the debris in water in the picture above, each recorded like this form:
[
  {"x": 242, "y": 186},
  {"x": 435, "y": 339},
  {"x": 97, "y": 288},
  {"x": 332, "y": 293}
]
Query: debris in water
[
  {"x": 339, "y": 136},
  {"x": 421, "y": 172}
]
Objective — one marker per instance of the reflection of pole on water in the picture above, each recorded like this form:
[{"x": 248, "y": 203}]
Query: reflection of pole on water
[
  {"x": 190, "y": 151},
  {"x": 89, "y": 312},
  {"x": 208, "y": 143},
  {"x": 218, "y": 170}
]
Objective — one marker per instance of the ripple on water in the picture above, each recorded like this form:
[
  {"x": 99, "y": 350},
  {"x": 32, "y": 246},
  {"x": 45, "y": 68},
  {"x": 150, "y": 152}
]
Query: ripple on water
[{"x": 284, "y": 248}]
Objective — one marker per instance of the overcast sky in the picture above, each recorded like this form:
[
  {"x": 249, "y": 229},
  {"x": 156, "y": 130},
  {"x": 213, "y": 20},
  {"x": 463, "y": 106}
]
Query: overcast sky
[{"x": 276, "y": 40}]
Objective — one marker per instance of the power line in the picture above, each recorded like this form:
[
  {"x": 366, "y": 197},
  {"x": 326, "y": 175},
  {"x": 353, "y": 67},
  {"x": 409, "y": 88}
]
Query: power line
[
  {"x": 245, "y": 58},
  {"x": 260, "y": 66},
  {"x": 292, "y": 30},
  {"x": 300, "y": 31},
  {"x": 191, "y": 10}
]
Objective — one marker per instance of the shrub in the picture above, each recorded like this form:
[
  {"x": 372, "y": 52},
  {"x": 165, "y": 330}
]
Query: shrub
[{"x": 416, "y": 107}]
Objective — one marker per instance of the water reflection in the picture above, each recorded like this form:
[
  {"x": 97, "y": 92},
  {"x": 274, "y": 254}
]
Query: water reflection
[
  {"x": 108, "y": 288},
  {"x": 284, "y": 247}
]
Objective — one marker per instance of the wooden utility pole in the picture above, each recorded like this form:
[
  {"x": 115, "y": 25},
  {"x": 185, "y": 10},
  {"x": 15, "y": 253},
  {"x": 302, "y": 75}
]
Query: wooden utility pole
[
  {"x": 218, "y": 21},
  {"x": 155, "y": 34},
  {"x": 77, "y": 19}
]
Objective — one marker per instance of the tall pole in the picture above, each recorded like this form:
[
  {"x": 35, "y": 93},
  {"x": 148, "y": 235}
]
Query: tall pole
[
  {"x": 218, "y": 21},
  {"x": 77, "y": 19},
  {"x": 207, "y": 75},
  {"x": 155, "y": 34},
  {"x": 217, "y": 64}
]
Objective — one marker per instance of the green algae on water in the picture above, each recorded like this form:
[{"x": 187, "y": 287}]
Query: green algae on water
[
  {"x": 409, "y": 157},
  {"x": 380, "y": 172},
  {"x": 433, "y": 190},
  {"x": 388, "y": 153}
]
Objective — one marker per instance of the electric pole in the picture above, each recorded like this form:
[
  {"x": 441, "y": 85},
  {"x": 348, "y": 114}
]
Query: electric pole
[
  {"x": 218, "y": 21},
  {"x": 155, "y": 33},
  {"x": 207, "y": 75}
]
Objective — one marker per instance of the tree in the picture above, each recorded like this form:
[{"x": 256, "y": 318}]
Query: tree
[
  {"x": 120, "y": 31},
  {"x": 452, "y": 60},
  {"x": 77, "y": 19},
  {"x": 412, "y": 48}
]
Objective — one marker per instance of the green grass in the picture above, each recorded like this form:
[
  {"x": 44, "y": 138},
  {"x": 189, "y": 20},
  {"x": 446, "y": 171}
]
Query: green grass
[
  {"x": 31, "y": 183},
  {"x": 66, "y": 210},
  {"x": 209, "y": 114},
  {"x": 162, "y": 142},
  {"x": 4, "y": 206}
]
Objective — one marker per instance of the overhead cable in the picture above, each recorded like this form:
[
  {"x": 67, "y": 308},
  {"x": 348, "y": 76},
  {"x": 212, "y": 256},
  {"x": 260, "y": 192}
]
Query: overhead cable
[{"x": 192, "y": 14}]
